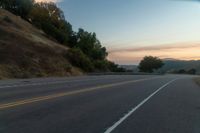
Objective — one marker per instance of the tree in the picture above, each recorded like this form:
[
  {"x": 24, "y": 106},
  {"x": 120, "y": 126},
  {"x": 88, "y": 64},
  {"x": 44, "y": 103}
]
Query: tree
[
  {"x": 114, "y": 67},
  {"x": 150, "y": 63},
  {"x": 182, "y": 71},
  {"x": 90, "y": 45},
  {"x": 86, "y": 50},
  {"x": 79, "y": 59},
  {"x": 192, "y": 71},
  {"x": 18, "y": 7},
  {"x": 51, "y": 19}
]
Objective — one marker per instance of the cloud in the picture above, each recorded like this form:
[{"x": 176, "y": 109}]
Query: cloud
[
  {"x": 183, "y": 51},
  {"x": 176, "y": 46},
  {"x": 56, "y": 1}
]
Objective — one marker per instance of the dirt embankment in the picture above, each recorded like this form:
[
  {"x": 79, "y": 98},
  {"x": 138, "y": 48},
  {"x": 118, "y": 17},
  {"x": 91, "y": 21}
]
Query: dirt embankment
[{"x": 27, "y": 52}]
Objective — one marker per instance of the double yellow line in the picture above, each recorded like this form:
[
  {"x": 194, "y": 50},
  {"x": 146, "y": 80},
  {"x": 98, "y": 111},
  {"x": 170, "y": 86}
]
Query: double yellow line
[{"x": 53, "y": 96}]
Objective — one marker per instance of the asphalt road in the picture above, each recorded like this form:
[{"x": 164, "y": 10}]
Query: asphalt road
[{"x": 101, "y": 104}]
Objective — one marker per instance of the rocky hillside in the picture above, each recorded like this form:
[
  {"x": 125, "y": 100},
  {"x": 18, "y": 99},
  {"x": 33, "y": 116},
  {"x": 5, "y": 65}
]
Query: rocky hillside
[{"x": 27, "y": 52}]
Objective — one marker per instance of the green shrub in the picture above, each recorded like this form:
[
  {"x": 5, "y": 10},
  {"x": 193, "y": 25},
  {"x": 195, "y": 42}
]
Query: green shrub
[
  {"x": 90, "y": 45},
  {"x": 79, "y": 59},
  {"x": 101, "y": 65},
  {"x": 54, "y": 32}
]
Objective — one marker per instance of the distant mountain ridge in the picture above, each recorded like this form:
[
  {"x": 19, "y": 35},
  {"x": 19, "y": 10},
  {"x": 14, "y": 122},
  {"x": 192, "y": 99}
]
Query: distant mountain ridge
[
  {"x": 175, "y": 65},
  {"x": 171, "y": 65}
]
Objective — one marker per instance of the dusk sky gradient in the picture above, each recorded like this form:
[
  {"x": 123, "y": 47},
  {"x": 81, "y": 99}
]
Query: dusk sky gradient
[{"x": 131, "y": 29}]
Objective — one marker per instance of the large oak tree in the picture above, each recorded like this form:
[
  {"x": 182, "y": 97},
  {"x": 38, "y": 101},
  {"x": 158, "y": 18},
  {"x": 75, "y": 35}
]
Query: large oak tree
[{"x": 150, "y": 63}]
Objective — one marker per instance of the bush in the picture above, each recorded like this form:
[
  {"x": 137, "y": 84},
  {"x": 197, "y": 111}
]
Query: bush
[
  {"x": 79, "y": 59},
  {"x": 105, "y": 65},
  {"x": 150, "y": 63},
  {"x": 101, "y": 65},
  {"x": 192, "y": 71}
]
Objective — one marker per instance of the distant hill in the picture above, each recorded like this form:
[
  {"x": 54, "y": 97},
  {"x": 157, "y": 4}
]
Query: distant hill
[
  {"x": 26, "y": 51},
  {"x": 170, "y": 66},
  {"x": 175, "y": 65}
]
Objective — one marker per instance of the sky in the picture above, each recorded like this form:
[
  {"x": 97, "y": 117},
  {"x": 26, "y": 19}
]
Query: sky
[{"x": 132, "y": 29}]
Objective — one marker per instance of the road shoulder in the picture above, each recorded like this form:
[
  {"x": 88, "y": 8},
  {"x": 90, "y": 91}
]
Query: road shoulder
[{"x": 197, "y": 81}]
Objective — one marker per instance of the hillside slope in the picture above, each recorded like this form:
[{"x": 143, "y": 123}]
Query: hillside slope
[
  {"x": 27, "y": 52},
  {"x": 175, "y": 65}
]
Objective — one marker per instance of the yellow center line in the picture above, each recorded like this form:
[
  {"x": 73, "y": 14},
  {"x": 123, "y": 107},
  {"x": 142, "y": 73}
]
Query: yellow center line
[{"x": 53, "y": 96}]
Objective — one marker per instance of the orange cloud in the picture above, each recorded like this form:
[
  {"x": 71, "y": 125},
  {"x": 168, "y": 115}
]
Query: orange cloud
[{"x": 176, "y": 51}]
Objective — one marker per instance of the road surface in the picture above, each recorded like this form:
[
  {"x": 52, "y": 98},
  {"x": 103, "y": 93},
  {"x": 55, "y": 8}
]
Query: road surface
[{"x": 101, "y": 104}]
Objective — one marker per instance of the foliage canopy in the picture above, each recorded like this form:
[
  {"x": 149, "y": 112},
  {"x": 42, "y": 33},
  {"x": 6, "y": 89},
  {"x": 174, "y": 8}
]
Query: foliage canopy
[{"x": 150, "y": 63}]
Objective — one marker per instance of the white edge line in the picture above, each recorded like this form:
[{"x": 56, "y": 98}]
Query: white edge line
[{"x": 110, "y": 129}]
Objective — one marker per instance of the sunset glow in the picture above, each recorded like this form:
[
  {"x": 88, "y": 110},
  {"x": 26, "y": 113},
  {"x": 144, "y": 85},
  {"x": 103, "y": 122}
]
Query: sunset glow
[
  {"x": 133, "y": 29},
  {"x": 175, "y": 51}
]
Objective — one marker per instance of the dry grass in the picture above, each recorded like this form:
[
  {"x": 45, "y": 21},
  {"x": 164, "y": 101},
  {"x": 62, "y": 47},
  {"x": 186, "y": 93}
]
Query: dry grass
[{"x": 26, "y": 51}]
